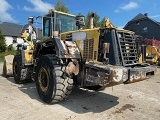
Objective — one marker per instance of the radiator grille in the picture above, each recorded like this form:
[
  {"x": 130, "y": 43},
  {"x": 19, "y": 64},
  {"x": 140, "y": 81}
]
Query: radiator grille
[
  {"x": 88, "y": 49},
  {"x": 95, "y": 55},
  {"x": 91, "y": 44},
  {"x": 85, "y": 49},
  {"x": 128, "y": 48}
]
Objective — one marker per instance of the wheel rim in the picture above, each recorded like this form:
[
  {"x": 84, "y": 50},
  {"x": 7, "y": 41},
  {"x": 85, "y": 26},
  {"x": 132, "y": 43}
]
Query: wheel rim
[
  {"x": 43, "y": 79},
  {"x": 15, "y": 70}
]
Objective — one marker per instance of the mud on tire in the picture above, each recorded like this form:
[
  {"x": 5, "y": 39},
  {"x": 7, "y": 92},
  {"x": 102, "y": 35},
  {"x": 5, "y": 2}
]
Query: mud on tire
[{"x": 50, "y": 85}]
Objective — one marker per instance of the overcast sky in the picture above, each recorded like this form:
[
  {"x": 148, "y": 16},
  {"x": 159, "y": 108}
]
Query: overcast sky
[{"x": 118, "y": 11}]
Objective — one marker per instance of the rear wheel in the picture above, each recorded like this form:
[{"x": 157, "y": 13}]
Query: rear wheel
[{"x": 51, "y": 86}]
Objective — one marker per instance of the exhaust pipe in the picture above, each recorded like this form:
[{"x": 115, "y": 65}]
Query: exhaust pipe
[{"x": 91, "y": 21}]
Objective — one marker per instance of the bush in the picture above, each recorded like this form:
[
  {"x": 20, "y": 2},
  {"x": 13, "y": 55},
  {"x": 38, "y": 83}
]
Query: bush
[
  {"x": 10, "y": 48},
  {"x": 9, "y": 51},
  {"x": 2, "y": 42}
]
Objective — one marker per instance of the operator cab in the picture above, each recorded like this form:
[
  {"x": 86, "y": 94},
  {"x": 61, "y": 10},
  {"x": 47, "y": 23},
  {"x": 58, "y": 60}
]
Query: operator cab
[{"x": 58, "y": 21}]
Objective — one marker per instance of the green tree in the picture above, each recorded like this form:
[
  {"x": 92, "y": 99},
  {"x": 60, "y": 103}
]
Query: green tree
[
  {"x": 60, "y": 6},
  {"x": 102, "y": 23},
  {"x": 2, "y": 42},
  {"x": 96, "y": 20}
]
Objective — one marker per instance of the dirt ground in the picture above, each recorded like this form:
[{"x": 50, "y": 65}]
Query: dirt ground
[{"x": 136, "y": 101}]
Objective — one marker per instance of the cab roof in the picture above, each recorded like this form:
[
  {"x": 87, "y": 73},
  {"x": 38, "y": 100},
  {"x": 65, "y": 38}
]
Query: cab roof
[{"x": 63, "y": 13}]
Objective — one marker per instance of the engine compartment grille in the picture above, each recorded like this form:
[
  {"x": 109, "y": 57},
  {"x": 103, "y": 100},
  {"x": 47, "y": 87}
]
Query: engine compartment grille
[{"x": 88, "y": 49}]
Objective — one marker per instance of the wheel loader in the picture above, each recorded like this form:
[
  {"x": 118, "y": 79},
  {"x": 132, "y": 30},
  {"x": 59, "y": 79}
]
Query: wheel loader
[
  {"x": 152, "y": 51},
  {"x": 67, "y": 55},
  {"x": 148, "y": 50}
]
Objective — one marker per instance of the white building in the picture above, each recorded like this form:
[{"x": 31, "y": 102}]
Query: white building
[{"x": 12, "y": 32}]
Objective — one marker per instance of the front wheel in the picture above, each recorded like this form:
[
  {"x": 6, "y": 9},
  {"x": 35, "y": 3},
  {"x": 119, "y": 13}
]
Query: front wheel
[
  {"x": 17, "y": 69},
  {"x": 50, "y": 84}
]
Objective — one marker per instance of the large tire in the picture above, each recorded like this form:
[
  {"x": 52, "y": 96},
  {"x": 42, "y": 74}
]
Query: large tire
[
  {"x": 21, "y": 75},
  {"x": 17, "y": 69},
  {"x": 50, "y": 84}
]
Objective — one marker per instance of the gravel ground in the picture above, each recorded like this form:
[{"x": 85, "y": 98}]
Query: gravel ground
[{"x": 136, "y": 101}]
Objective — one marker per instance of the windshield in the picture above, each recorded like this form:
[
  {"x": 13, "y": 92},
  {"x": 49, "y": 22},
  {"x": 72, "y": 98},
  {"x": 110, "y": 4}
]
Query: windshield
[{"x": 65, "y": 23}]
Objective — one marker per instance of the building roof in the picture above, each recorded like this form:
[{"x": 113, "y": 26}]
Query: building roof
[
  {"x": 138, "y": 17},
  {"x": 141, "y": 17},
  {"x": 11, "y": 29}
]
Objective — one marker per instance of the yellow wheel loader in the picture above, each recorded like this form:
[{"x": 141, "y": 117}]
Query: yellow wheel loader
[
  {"x": 68, "y": 55},
  {"x": 149, "y": 51},
  {"x": 152, "y": 55}
]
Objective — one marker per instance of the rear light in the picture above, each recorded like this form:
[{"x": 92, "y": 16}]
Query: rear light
[{"x": 106, "y": 47}]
